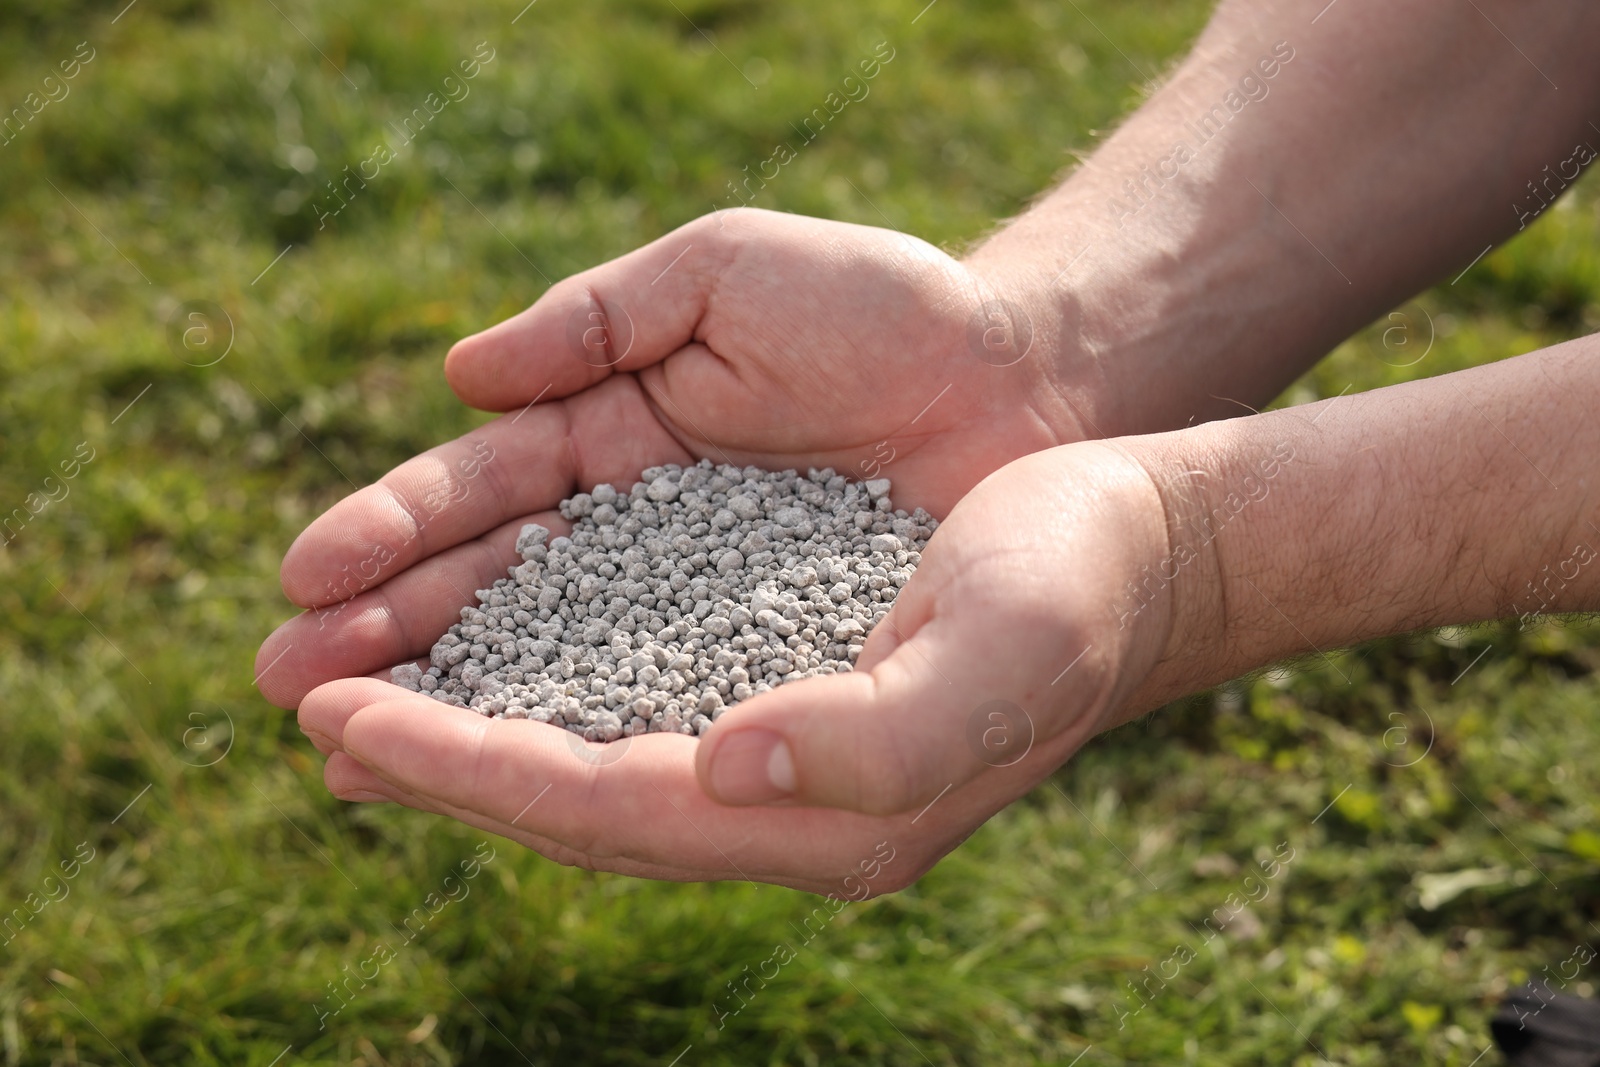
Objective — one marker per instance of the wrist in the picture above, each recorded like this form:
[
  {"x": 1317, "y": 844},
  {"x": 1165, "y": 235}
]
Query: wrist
[
  {"x": 1219, "y": 484},
  {"x": 1455, "y": 499},
  {"x": 1145, "y": 332},
  {"x": 1021, "y": 327}
]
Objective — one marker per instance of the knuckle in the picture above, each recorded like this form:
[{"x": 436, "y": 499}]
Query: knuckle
[{"x": 889, "y": 784}]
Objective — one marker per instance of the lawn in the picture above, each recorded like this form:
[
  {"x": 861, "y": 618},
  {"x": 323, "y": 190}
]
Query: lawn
[{"x": 1409, "y": 825}]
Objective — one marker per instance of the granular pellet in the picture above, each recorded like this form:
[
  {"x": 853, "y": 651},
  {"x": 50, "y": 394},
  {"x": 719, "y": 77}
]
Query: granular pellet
[{"x": 669, "y": 603}]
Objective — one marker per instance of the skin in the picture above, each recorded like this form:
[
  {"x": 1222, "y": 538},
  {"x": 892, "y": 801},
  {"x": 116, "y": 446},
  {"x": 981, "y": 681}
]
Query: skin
[{"x": 1089, "y": 567}]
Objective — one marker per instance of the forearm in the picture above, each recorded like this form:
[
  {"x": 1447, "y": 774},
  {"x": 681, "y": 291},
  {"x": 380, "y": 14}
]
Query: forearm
[
  {"x": 1206, "y": 255},
  {"x": 1460, "y": 498}
]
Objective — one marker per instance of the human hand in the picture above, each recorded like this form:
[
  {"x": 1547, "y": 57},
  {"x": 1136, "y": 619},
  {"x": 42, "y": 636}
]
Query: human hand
[
  {"x": 1000, "y": 658},
  {"x": 749, "y": 337},
  {"x": 1145, "y": 567}
]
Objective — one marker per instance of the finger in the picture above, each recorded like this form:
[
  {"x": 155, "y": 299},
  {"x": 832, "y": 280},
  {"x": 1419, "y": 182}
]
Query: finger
[
  {"x": 349, "y": 780},
  {"x": 943, "y": 707},
  {"x": 323, "y": 714},
  {"x": 530, "y": 775},
  {"x": 864, "y": 876},
  {"x": 520, "y": 463},
  {"x": 636, "y": 800},
  {"x": 399, "y": 620},
  {"x": 619, "y": 316}
]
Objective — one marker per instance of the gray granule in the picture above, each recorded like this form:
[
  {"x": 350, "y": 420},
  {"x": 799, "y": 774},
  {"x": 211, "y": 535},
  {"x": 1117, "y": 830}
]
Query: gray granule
[{"x": 670, "y": 603}]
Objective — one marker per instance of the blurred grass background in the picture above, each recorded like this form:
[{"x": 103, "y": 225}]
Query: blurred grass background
[{"x": 1436, "y": 790}]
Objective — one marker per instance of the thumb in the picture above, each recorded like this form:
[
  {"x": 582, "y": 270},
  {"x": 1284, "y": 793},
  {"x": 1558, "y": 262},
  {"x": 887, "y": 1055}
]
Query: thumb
[
  {"x": 880, "y": 741},
  {"x": 619, "y": 316}
]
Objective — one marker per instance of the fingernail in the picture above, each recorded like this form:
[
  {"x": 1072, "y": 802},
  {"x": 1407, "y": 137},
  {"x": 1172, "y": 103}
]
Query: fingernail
[
  {"x": 361, "y": 796},
  {"x": 753, "y": 767}
]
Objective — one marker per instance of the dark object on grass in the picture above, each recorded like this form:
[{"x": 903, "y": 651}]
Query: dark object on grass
[{"x": 1537, "y": 1028}]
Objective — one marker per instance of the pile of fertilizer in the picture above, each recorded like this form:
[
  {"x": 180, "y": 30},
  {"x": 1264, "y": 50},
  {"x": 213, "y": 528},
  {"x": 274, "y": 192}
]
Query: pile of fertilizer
[{"x": 668, "y": 604}]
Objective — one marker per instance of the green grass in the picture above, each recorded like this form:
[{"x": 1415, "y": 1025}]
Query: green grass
[{"x": 217, "y": 908}]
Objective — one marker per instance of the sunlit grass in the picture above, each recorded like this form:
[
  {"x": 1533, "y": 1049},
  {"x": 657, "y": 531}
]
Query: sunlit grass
[{"x": 229, "y": 900}]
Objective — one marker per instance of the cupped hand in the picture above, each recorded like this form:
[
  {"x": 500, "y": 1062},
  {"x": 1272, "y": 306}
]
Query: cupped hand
[
  {"x": 1013, "y": 643},
  {"x": 747, "y": 337}
]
